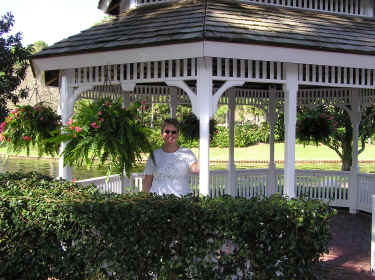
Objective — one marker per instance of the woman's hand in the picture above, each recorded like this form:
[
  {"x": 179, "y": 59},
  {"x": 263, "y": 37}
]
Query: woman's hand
[
  {"x": 195, "y": 167},
  {"x": 147, "y": 183}
]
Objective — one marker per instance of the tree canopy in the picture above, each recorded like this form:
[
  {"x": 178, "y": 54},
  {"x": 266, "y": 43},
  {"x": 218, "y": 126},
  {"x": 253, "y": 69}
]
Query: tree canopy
[{"x": 13, "y": 64}]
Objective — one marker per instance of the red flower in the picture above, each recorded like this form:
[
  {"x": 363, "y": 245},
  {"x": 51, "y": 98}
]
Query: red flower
[
  {"x": 15, "y": 111},
  {"x": 2, "y": 137},
  {"x": 8, "y": 139},
  {"x": 78, "y": 129},
  {"x": 71, "y": 127},
  {"x": 100, "y": 113},
  {"x": 70, "y": 122},
  {"x": 108, "y": 104},
  {"x": 26, "y": 138},
  {"x": 2, "y": 126},
  {"x": 74, "y": 180},
  {"x": 143, "y": 102},
  {"x": 94, "y": 125},
  {"x": 101, "y": 120}
]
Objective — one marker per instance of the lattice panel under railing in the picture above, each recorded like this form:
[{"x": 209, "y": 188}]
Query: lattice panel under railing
[
  {"x": 252, "y": 97},
  {"x": 340, "y": 96},
  {"x": 367, "y": 98},
  {"x": 152, "y": 71},
  {"x": 246, "y": 69},
  {"x": 336, "y": 76},
  {"x": 349, "y": 7}
]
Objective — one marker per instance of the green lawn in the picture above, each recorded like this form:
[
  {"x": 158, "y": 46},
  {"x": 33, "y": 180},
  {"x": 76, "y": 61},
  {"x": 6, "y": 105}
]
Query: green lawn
[
  {"x": 306, "y": 153},
  {"x": 261, "y": 152}
]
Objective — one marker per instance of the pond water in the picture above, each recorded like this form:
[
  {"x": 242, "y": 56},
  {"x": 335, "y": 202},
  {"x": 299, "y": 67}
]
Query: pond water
[{"x": 48, "y": 167}]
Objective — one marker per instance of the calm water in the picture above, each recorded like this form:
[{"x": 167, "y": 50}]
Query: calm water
[{"x": 48, "y": 167}]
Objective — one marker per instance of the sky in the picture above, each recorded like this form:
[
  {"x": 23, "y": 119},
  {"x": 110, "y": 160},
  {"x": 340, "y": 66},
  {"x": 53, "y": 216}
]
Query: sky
[{"x": 51, "y": 20}]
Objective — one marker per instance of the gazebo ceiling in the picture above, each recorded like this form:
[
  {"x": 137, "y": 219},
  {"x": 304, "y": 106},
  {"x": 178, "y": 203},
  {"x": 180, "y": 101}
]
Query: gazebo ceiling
[{"x": 222, "y": 21}]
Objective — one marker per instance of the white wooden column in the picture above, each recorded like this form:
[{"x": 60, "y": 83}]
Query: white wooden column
[
  {"x": 272, "y": 116},
  {"x": 204, "y": 97},
  {"x": 66, "y": 111},
  {"x": 173, "y": 102},
  {"x": 355, "y": 117},
  {"x": 290, "y": 109},
  {"x": 232, "y": 178}
]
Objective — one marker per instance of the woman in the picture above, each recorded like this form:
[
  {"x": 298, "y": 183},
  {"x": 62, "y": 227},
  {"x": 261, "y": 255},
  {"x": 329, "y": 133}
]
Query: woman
[{"x": 169, "y": 174}]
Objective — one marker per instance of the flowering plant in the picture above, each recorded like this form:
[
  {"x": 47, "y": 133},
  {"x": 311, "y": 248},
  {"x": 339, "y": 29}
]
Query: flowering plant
[
  {"x": 105, "y": 131},
  {"x": 31, "y": 126},
  {"x": 314, "y": 126}
]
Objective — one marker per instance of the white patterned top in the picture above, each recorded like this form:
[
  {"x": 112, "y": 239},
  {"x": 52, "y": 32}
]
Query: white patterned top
[{"x": 172, "y": 171}]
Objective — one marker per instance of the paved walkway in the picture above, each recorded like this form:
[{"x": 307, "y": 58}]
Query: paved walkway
[{"x": 350, "y": 249}]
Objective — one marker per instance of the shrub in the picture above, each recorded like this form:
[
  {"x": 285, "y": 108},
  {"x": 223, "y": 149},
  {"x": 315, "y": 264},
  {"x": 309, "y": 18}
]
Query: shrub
[{"x": 58, "y": 229}]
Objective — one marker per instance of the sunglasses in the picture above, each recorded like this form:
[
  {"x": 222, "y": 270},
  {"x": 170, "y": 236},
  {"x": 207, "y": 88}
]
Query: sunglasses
[{"x": 170, "y": 131}]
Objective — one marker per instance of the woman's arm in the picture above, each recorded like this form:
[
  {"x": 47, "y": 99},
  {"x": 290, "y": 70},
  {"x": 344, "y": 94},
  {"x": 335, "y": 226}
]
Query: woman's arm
[{"x": 147, "y": 182}]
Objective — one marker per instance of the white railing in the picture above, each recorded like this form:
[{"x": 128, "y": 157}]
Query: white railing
[
  {"x": 106, "y": 185},
  {"x": 366, "y": 183},
  {"x": 252, "y": 183},
  {"x": 330, "y": 186}
]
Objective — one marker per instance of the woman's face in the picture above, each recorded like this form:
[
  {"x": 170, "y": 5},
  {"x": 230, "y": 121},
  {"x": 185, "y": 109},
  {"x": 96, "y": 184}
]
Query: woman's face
[{"x": 170, "y": 134}]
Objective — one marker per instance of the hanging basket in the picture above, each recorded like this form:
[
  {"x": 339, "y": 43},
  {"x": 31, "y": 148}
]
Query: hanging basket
[
  {"x": 314, "y": 126},
  {"x": 189, "y": 127},
  {"x": 29, "y": 127},
  {"x": 104, "y": 132}
]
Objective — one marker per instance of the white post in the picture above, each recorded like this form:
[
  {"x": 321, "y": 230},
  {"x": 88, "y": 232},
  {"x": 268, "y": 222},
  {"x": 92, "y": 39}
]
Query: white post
[
  {"x": 66, "y": 110},
  {"x": 232, "y": 178},
  {"x": 290, "y": 108},
  {"x": 204, "y": 96},
  {"x": 173, "y": 102},
  {"x": 355, "y": 117},
  {"x": 373, "y": 237},
  {"x": 271, "y": 115}
]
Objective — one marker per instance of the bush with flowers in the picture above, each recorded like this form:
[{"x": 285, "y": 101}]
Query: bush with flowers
[
  {"x": 105, "y": 131},
  {"x": 314, "y": 125},
  {"x": 31, "y": 127}
]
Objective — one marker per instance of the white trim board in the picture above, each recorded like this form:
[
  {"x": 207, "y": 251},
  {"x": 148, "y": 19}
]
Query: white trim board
[
  {"x": 204, "y": 49},
  {"x": 291, "y": 55}
]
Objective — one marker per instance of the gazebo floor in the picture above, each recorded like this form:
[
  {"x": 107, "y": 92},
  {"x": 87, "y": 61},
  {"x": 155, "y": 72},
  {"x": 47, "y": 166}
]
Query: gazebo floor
[{"x": 350, "y": 249}]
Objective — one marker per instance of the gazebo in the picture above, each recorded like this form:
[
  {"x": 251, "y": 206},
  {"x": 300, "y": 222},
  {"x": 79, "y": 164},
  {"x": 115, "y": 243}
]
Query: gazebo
[{"x": 273, "y": 54}]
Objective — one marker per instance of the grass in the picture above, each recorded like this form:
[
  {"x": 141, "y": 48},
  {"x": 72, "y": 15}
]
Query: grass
[{"x": 260, "y": 152}]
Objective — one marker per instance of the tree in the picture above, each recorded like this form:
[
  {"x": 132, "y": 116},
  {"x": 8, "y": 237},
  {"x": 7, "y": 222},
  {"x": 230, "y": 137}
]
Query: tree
[
  {"x": 340, "y": 138},
  {"x": 38, "y": 46},
  {"x": 13, "y": 65}
]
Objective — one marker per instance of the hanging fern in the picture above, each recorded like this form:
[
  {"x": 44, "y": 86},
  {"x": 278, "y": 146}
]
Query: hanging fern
[
  {"x": 189, "y": 127},
  {"x": 31, "y": 127},
  {"x": 103, "y": 131},
  {"x": 314, "y": 126}
]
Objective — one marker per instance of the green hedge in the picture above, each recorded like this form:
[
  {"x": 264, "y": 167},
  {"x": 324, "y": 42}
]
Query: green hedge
[{"x": 58, "y": 229}]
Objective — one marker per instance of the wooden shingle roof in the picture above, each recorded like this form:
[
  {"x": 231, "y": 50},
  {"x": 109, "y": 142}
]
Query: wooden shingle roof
[{"x": 224, "y": 21}]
